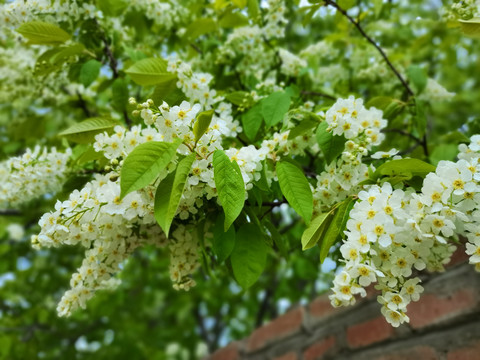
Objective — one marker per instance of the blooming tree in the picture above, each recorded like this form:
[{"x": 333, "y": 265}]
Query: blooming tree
[{"x": 240, "y": 144}]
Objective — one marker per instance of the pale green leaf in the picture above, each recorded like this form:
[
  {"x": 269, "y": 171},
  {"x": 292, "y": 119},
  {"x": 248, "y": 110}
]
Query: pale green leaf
[
  {"x": 295, "y": 188},
  {"x": 85, "y": 131},
  {"x": 405, "y": 168},
  {"x": 314, "y": 231},
  {"x": 202, "y": 123},
  {"x": 150, "y": 71},
  {"x": 335, "y": 227},
  {"x": 230, "y": 186},
  {"x": 471, "y": 27},
  {"x": 42, "y": 33},
  {"x": 144, "y": 164}
]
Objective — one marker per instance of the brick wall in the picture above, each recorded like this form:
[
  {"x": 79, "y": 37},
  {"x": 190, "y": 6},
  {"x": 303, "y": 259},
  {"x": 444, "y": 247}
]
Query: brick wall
[{"x": 444, "y": 324}]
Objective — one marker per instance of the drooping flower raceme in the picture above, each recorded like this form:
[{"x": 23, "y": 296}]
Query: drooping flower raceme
[
  {"x": 35, "y": 173},
  {"x": 391, "y": 232}
]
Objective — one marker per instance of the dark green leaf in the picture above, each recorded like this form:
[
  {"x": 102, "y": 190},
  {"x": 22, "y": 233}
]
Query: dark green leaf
[
  {"x": 249, "y": 255},
  {"x": 89, "y": 72},
  {"x": 223, "y": 242},
  {"x": 230, "y": 186}
]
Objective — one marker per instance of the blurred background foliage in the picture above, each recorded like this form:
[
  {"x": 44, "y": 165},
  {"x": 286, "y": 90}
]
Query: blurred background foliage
[{"x": 145, "y": 318}]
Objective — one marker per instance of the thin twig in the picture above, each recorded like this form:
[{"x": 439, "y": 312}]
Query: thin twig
[
  {"x": 371, "y": 41},
  {"x": 316, "y": 93},
  {"x": 10, "y": 212},
  {"x": 402, "y": 132},
  {"x": 83, "y": 105}
]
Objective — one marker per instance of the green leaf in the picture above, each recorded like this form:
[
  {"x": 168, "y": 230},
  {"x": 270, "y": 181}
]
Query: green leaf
[
  {"x": 444, "y": 152},
  {"x": 223, "y": 241},
  {"x": 239, "y": 97},
  {"x": 336, "y": 227},
  {"x": 89, "y": 72},
  {"x": 346, "y": 4},
  {"x": 314, "y": 231},
  {"x": 230, "y": 186},
  {"x": 169, "y": 192},
  {"x": 471, "y": 27},
  {"x": 53, "y": 59},
  {"x": 200, "y": 27},
  {"x": 164, "y": 89},
  {"x": 150, "y": 71},
  {"x": 418, "y": 77},
  {"x": 84, "y": 132},
  {"x": 112, "y": 7},
  {"x": 274, "y": 107},
  {"x": 251, "y": 121},
  {"x": 119, "y": 94},
  {"x": 309, "y": 122},
  {"x": 202, "y": 123},
  {"x": 295, "y": 188},
  {"x": 232, "y": 20},
  {"x": 332, "y": 146},
  {"x": 277, "y": 238},
  {"x": 249, "y": 255},
  {"x": 253, "y": 9},
  {"x": 405, "y": 168},
  {"x": 144, "y": 164},
  {"x": 42, "y": 33}
]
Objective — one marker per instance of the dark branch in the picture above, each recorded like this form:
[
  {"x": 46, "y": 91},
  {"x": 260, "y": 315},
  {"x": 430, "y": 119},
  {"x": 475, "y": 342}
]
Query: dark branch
[
  {"x": 10, "y": 212},
  {"x": 371, "y": 41},
  {"x": 316, "y": 93}
]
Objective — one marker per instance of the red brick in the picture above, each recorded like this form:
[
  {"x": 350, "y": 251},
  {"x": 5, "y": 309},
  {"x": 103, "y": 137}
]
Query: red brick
[
  {"x": 321, "y": 307},
  {"x": 418, "y": 352},
  {"x": 288, "y": 356},
  {"x": 471, "y": 352},
  {"x": 279, "y": 328},
  {"x": 369, "y": 332},
  {"x": 229, "y": 352},
  {"x": 459, "y": 256},
  {"x": 317, "y": 350},
  {"x": 432, "y": 309}
]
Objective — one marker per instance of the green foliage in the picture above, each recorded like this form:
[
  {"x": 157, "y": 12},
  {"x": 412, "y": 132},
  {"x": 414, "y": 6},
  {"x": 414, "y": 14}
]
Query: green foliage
[
  {"x": 230, "y": 186},
  {"x": 42, "y": 33},
  {"x": 169, "y": 193},
  {"x": 150, "y": 71},
  {"x": 331, "y": 145},
  {"x": 249, "y": 255},
  {"x": 223, "y": 242},
  {"x": 202, "y": 123},
  {"x": 274, "y": 107},
  {"x": 84, "y": 132},
  {"x": 144, "y": 164},
  {"x": 89, "y": 72},
  {"x": 295, "y": 188}
]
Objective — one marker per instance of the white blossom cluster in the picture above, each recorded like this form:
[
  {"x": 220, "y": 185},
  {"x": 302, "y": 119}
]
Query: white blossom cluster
[
  {"x": 435, "y": 92},
  {"x": 109, "y": 228},
  {"x": 362, "y": 129},
  {"x": 320, "y": 50},
  {"x": 31, "y": 175},
  {"x": 392, "y": 232},
  {"x": 16, "y": 12},
  {"x": 464, "y": 9},
  {"x": 291, "y": 64},
  {"x": 248, "y": 42},
  {"x": 164, "y": 13}
]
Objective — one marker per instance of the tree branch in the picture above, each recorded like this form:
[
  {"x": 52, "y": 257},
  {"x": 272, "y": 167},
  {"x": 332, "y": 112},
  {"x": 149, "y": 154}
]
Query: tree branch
[
  {"x": 371, "y": 41},
  {"x": 10, "y": 212}
]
